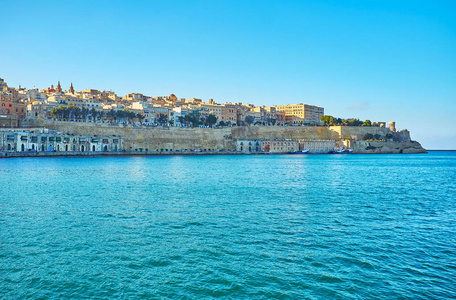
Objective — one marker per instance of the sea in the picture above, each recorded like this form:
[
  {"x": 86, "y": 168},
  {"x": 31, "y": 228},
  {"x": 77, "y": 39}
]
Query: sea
[{"x": 229, "y": 227}]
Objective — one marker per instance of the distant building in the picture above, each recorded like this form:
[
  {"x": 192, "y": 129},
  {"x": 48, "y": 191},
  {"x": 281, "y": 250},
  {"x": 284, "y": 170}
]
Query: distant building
[{"x": 301, "y": 113}]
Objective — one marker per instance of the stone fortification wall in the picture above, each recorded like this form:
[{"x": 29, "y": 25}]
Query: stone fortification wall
[
  {"x": 284, "y": 132},
  {"x": 142, "y": 138},
  {"x": 174, "y": 138},
  {"x": 387, "y": 147},
  {"x": 358, "y": 132}
]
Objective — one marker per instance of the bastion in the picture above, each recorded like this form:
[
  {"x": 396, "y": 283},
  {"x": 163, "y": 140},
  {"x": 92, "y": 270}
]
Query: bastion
[{"x": 160, "y": 139}]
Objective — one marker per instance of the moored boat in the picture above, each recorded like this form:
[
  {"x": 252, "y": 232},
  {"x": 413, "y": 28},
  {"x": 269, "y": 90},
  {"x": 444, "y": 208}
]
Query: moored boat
[
  {"x": 305, "y": 151},
  {"x": 342, "y": 151}
]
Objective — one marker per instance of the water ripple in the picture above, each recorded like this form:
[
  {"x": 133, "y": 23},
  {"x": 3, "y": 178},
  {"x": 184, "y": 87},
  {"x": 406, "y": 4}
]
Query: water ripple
[{"x": 280, "y": 227}]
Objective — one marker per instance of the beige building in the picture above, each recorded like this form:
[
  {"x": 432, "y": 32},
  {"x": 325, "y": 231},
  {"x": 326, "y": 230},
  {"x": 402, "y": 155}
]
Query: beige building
[
  {"x": 206, "y": 109},
  {"x": 279, "y": 146},
  {"x": 317, "y": 146},
  {"x": 302, "y": 113},
  {"x": 229, "y": 113}
]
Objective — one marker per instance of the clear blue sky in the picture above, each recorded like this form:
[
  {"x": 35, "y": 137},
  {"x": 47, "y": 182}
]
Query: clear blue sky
[{"x": 377, "y": 60}]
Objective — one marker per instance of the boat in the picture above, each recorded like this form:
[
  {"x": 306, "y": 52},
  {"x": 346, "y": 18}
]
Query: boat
[
  {"x": 305, "y": 151},
  {"x": 342, "y": 151}
]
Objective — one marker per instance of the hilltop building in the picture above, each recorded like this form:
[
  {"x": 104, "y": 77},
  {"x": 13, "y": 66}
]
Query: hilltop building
[{"x": 301, "y": 113}]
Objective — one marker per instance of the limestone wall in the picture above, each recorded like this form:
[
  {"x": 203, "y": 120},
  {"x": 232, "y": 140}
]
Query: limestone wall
[
  {"x": 387, "y": 147},
  {"x": 284, "y": 132},
  {"x": 152, "y": 138},
  {"x": 175, "y": 138}
]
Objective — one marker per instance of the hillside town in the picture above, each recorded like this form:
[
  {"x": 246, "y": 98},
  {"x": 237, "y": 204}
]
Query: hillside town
[
  {"x": 67, "y": 122},
  {"x": 92, "y": 105}
]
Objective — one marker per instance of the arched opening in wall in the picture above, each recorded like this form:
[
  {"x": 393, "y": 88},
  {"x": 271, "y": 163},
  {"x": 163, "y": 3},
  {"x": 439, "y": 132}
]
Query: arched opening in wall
[
  {"x": 82, "y": 148},
  {"x": 33, "y": 146},
  {"x": 93, "y": 148},
  {"x": 74, "y": 148},
  {"x": 58, "y": 148},
  {"x": 22, "y": 147},
  {"x": 9, "y": 146},
  {"x": 42, "y": 147},
  {"x": 66, "y": 148},
  {"x": 105, "y": 148},
  {"x": 257, "y": 147},
  {"x": 115, "y": 148},
  {"x": 250, "y": 148},
  {"x": 50, "y": 148}
]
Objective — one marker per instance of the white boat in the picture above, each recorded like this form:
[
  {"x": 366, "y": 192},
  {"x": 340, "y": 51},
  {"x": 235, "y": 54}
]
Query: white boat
[
  {"x": 305, "y": 151},
  {"x": 342, "y": 151}
]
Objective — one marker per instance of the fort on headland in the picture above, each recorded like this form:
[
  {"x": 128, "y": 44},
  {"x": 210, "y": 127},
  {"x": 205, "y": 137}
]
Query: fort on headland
[{"x": 55, "y": 122}]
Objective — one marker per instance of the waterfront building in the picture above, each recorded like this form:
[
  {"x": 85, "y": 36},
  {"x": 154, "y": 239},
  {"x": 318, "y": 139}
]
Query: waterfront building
[
  {"x": 279, "y": 146},
  {"x": 317, "y": 146},
  {"x": 248, "y": 145},
  {"x": 266, "y": 146},
  {"x": 44, "y": 140}
]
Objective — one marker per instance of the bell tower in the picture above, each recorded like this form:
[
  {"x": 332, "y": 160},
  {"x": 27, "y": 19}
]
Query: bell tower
[{"x": 59, "y": 88}]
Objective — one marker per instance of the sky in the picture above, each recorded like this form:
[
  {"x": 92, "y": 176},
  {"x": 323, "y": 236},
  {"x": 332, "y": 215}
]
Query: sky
[{"x": 367, "y": 59}]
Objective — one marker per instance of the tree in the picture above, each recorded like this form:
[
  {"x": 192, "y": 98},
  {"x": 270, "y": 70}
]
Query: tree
[
  {"x": 389, "y": 136},
  {"x": 377, "y": 136},
  {"x": 111, "y": 114},
  {"x": 222, "y": 123},
  {"x": 327, "y": 120},
  {"x": 368, "y": 136},
  {"x": 188, "y": 119},
  {"x": 211, "y": 119},
  {"x": 54, "y": 112},
  {"x": 249, "y": 120},
  {"x": 195, "y": 121},
  {"x": 101, "y": 114},
  {"x": 181, "y": 119},
  {"x": 162, "y": 118},
  {"x": 93, "y": 113},
  {"x": 367, "y": 123}
]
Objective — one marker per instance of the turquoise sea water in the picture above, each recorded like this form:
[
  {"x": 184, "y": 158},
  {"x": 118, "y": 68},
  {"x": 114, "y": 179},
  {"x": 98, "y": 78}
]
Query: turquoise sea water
[{"x": 250, "y": 227}]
